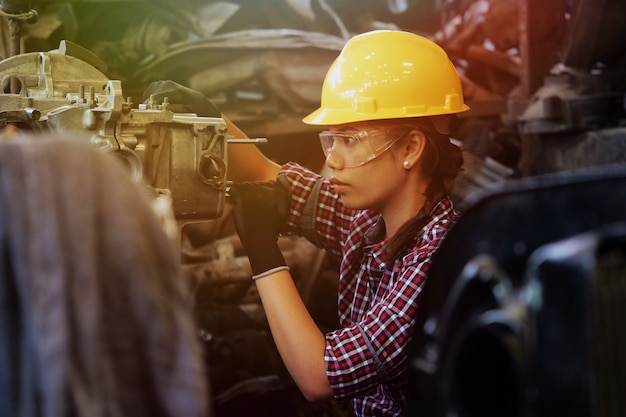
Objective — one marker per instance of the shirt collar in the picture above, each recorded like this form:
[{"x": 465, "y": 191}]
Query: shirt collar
[{"x": 376, "y": 233}]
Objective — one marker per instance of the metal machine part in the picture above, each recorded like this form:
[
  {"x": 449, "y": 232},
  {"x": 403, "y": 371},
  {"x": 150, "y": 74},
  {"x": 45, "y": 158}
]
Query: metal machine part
[
  {"x": 576, "y": 101},
  {"x": 527, "y": 322},
  {"x": 182, "y": 156}
]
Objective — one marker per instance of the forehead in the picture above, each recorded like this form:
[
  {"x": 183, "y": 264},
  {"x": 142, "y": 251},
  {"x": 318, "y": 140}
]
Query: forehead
[{"x": 365, "y": 125}]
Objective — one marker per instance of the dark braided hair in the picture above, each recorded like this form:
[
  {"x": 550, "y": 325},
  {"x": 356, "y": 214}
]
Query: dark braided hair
[{"x": 441, "y": 163}]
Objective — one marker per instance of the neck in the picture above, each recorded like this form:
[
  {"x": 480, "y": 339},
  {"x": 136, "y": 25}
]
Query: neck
[{"x": 396, "y": 217}]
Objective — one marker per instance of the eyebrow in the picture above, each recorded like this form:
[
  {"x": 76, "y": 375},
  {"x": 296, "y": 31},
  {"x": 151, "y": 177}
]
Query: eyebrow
[{"x": 344, "y": 130}]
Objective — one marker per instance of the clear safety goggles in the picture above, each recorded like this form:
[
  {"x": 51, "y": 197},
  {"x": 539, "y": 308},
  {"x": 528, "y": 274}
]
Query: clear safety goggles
[{"x": 356, "y": 148}]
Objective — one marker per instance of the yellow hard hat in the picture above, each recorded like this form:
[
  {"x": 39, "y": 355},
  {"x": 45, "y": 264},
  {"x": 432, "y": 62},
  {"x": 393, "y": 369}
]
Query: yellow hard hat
[{"x": 387, "y": 74}]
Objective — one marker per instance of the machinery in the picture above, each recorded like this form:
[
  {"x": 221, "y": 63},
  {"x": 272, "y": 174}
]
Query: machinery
[
  {"x": 181, "y": 156},
  {"x": 522, "y": 314}
]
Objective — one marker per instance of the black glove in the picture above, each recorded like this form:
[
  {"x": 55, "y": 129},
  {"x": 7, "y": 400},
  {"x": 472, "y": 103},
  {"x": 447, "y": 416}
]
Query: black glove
[
  {"x": 182, "y": 99},
  {"x": 260, "y": 212}
]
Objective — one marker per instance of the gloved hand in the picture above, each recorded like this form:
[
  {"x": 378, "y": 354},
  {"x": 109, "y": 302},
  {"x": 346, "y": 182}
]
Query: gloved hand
[
  {"x": 260, "y": 212},
  {"x": 182, "y": 99}
]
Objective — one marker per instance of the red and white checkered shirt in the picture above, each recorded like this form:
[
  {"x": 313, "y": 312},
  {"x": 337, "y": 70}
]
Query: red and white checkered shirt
[{"x": 377, "y": 303}]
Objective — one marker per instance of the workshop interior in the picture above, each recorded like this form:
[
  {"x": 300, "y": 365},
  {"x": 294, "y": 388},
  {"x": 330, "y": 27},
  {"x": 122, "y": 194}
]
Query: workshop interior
[{"x": 526, "y": 316}]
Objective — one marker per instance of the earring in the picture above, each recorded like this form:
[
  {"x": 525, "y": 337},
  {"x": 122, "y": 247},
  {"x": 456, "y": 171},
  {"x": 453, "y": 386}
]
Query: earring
[{"x": 406, "y": 164}]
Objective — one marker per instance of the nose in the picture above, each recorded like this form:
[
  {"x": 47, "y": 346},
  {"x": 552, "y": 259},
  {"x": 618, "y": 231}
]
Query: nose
[{"x": 333, "y": 161}]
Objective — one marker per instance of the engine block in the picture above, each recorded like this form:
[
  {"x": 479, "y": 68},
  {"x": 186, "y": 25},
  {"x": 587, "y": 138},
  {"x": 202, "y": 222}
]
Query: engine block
[{"x": 179, "y": 155}]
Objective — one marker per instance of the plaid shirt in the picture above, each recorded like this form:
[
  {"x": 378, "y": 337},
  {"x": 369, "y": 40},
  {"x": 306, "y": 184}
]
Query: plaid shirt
[{"x": 377, "y": 303}]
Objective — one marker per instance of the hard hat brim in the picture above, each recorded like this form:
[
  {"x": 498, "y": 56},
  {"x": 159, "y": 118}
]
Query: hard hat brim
[{"x": 326, "y": 117}]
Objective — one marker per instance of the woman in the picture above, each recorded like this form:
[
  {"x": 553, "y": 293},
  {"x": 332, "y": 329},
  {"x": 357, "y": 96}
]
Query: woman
[{"x": 387, "y": 101}]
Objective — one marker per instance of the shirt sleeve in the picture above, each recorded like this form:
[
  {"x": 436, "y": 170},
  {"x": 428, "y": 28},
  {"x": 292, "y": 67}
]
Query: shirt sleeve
[{"x": 315, "y": 210}]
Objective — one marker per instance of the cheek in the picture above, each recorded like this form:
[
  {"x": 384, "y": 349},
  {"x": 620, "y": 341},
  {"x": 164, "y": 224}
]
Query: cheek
[{"x": 375, "y": 187}]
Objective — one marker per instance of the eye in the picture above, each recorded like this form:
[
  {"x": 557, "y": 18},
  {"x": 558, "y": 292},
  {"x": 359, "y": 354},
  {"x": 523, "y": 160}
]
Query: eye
[{"x": 349, "y": 140}]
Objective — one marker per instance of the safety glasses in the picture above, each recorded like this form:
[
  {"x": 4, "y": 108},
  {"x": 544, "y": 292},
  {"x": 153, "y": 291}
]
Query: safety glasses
[{"x": 356, "y": 148}]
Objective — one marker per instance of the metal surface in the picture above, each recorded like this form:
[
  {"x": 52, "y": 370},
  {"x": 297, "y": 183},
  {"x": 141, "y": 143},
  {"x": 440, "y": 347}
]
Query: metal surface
[
  {"x": 505, "y": 327},
  {"x": 179, "y": 155}
]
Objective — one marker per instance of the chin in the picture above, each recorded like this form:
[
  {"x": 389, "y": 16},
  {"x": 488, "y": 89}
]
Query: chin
[
  {"x": 352, "y": 203},
  {"x": 346, "y": 201}
]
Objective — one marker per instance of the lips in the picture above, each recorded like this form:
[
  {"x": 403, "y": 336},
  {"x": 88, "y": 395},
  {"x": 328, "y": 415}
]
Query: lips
[{"x": 340, "y": 187}]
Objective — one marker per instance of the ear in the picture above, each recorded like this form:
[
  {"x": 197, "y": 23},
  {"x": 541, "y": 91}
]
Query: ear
[{"x": 414, "y": 148}]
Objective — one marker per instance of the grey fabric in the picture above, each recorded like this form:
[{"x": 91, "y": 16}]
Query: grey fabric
[
  {"x": 307, "y": 221},
  {"x": 382, "y": 374},
  {"x": 95, "y": 319}
]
